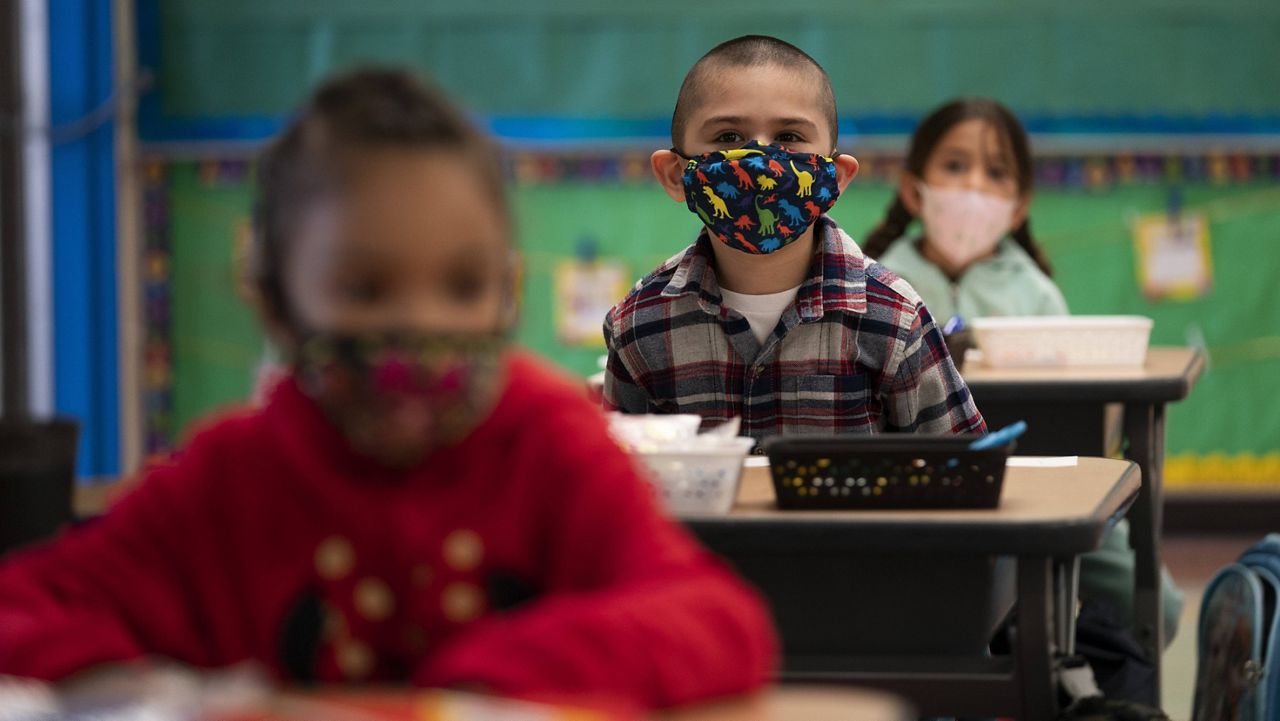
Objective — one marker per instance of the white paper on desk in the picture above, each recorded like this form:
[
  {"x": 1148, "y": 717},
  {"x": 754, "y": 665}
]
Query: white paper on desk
[{"x": 1042, "y": 461}]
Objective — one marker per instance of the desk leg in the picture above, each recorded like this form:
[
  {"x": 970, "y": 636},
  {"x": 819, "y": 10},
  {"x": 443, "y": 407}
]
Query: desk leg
[
  {"x": 1066, "y": 592},
  {"x": 1034, "y": 650},
  {"x": 1144, "y": 427}
]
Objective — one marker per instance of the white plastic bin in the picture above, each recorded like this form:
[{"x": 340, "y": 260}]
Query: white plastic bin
[
  {"x": 698, "y": 481},
  {"x": 1081, "y": 340}
]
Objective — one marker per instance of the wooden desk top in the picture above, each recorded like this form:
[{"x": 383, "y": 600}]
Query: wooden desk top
[
  {"x": 1167, "y": 375},
  {"x": 809, "y": 704},
  {"x": 1061, "y": 510},
  {"x": 164, "y": 689}
]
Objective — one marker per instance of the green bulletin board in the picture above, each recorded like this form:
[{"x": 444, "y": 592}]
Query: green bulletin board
[
  {"x": 214, "y": 337},
  {"x": 1227, "y": 431}
]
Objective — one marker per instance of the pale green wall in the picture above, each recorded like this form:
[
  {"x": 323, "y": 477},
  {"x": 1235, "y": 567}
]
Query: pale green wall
[{"x": 625, "y": 59}]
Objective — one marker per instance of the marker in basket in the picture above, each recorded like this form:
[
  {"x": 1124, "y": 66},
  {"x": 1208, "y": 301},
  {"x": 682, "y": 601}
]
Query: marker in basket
[{"x": 1002, "y": 437}]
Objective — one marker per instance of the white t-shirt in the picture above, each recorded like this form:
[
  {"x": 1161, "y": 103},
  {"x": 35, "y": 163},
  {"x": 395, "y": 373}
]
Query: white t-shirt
[{"x": 761, "y": 311}]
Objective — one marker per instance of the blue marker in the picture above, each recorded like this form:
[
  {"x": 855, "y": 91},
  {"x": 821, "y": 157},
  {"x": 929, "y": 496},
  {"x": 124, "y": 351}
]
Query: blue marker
[
  {"x": 1002, "y": 437},
  {"x": 953, "y": 325}
]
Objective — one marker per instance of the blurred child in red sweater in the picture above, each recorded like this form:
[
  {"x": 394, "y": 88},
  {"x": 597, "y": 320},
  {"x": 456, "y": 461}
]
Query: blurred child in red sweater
[{"x": 416, "y": 501}]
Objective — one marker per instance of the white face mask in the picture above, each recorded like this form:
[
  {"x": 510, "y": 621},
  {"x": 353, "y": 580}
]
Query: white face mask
[{"x": 963, "y": 225}]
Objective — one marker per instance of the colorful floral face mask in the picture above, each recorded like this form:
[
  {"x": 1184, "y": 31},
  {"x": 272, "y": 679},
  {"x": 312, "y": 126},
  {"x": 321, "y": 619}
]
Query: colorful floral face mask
[
  {"x": 399, "y": 396},
  {"x": 759, "y": 198}
]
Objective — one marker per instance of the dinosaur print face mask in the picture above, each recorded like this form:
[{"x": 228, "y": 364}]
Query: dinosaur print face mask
[{"x": 758, "y": 198}]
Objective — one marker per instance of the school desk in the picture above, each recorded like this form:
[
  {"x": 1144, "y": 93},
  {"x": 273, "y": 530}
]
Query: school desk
[
  {"x": 906, "y": 601},
  {"x": 773, "y": 704},
  {"x": 162, "y": 691},
  {"x": 799, "y": 703},
  {"x": 1066, "y": 410},
  {"x": 778, "y": 703}
]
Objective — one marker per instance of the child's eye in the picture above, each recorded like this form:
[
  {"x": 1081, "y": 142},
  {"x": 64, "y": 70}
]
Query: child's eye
[
  {"x": 728, "y": 136},
  {"x": 789, "y": 138},
  {"x": 954, "y": 166},
  {"x": 997, "y": 173},
  {"x": 363, "y": 291},
  {"x": 465, "y": 286}
]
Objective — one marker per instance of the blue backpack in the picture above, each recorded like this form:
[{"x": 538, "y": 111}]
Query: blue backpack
[{"x": 1238, "y": 661}]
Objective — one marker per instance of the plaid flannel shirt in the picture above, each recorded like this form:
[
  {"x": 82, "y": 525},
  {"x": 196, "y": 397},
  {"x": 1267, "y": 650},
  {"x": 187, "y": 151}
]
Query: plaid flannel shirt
[{"x": 857, "y": 352}]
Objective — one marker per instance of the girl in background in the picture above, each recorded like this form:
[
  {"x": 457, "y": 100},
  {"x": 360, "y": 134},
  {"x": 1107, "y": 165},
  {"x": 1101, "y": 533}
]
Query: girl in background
[{"x": 968, "y": 179}]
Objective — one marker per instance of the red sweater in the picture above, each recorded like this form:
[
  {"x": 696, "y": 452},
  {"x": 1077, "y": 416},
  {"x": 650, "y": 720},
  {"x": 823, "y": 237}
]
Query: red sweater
[{"x": 268, "y": 540}]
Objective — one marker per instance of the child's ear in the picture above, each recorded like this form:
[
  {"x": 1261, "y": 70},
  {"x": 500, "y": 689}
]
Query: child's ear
[
  {"x": 279, "y": 333},
  {"x": 513, "y": 274},
  {"x": 909, "y": 193},
  {"x": 846, "y": 170},
  {"x": 668, "y": 168},
  {"x": 1020, "y": 211}
]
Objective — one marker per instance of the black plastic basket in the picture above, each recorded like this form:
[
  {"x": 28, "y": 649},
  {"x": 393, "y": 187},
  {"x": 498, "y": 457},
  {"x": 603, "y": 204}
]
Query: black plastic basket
[{"x": 885, "y": 471}]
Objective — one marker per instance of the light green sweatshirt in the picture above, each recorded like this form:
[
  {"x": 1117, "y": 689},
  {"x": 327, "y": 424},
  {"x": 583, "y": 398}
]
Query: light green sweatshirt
[{"x": 1007, "y": 283}]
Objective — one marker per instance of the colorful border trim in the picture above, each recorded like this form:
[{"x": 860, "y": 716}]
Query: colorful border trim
[
  {"x": 159, "y": 433},
  {"x": 1092, "y": 171},
  {"x": 1220, "y": 471},
  {"x": 157, "y": 297}
]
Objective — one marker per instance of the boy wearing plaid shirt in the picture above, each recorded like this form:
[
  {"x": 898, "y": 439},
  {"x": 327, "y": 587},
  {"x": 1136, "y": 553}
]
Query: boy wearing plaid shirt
[{"x": 773, "y": 314}]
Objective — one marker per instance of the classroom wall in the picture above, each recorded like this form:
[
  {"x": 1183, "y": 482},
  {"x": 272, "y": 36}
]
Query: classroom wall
[{"x": 580, "y": 91}]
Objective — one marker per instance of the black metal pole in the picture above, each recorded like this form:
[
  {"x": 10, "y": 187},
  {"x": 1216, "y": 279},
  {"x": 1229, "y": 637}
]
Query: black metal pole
[{"x": 13, "y": 265}]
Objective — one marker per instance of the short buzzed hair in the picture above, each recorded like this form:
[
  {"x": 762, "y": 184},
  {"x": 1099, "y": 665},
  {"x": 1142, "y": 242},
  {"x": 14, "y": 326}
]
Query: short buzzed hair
[{"x": 747, "y": 51}]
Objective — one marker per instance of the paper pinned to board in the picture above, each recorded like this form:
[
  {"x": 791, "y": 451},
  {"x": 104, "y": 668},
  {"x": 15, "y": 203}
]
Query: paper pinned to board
[
  {"x": 585, "y": 290},
  {"x": 1173, "y": 257},
  {"x": 1042, "y": 461}
]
